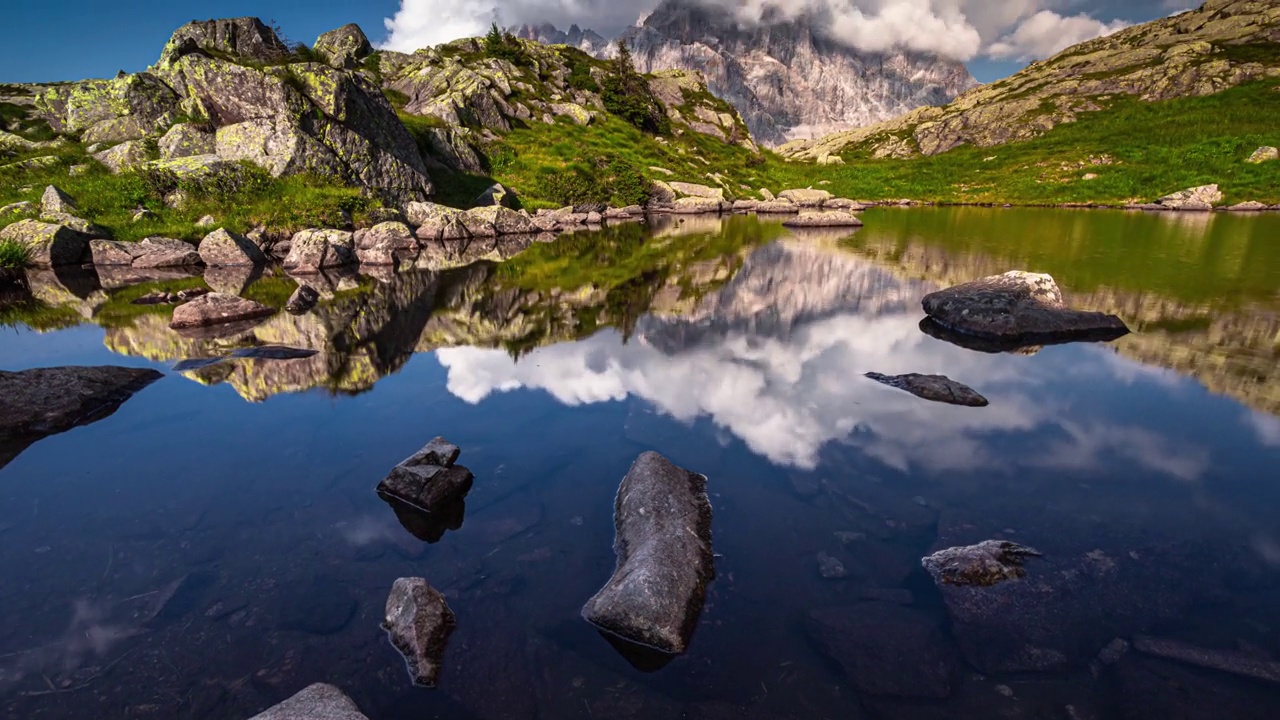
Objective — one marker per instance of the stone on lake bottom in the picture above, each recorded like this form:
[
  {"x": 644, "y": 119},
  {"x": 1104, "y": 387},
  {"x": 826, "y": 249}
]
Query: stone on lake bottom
[
  {"x": 937, "y": 388},
  {"x": 663, "y": 546},
  {"x": 887, "y": 649},
  {"x": 418, "y": 621}
]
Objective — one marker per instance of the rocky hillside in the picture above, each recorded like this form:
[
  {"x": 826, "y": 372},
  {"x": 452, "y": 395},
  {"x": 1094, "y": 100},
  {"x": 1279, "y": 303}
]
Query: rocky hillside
[
  {"x": 1223, "y": 44},
  {"x": 787, "y": 79}
]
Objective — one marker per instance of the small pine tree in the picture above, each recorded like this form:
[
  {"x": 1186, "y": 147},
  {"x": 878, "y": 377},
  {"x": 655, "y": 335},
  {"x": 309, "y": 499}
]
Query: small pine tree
[
  {"x": 627, "y": 94},
  {"x": 493, "y": 41}
]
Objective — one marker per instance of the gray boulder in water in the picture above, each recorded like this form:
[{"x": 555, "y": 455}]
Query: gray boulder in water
[
  {"x": 663, "y": 544},
  {"x": 418, "y": 621},
  {"x": 986, "y": 563},
  {"x": 1017, "y": 306},
  {"x": 937, "y": 388},
  {"x": 317, "y": 702},
  {"x": 428, "y": 479}
]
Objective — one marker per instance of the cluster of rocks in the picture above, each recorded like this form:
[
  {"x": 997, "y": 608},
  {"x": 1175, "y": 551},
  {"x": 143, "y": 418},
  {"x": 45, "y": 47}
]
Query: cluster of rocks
[
  {"x": 810, "y": 207},
  {"x": 1205, "y": 198}
]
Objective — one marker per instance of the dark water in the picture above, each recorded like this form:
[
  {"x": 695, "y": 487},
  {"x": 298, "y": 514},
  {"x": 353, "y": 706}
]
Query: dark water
[{"x": 216, "y": 545}]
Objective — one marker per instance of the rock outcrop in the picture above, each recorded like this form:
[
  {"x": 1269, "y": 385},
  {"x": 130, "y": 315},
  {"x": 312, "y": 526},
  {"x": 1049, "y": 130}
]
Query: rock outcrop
[
  {"x": 937, "y": 388},
  {"x": 787, "y": 78},
  {"x": 418, "y": 621},
  {"x": 1202, "y": 198},
  {"x": 45, "y": 401},
  {"x": 429, "y": 479},
  {"x": 1188, "y": 54},
  {"x": 217, "y": 309},
  {"x": 345, "y": 47},
  {"x": 1017, "y": 307},
  {"x": 663, "y": 544}
]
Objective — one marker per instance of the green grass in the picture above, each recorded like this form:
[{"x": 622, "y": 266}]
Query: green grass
[
  {"x": 1154, "y": 148},
  {"x": 14, "y": 255}
]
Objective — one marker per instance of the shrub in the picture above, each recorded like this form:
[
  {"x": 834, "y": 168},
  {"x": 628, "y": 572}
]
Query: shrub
[
  {"x": 627, "y": 95},
  {"x": 14, "y": 255},
  {"x": 502, "y": 45}
]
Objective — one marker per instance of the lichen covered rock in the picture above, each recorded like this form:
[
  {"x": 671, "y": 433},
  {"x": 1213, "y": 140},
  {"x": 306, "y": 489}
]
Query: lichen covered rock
[
  {"x": 345, "y": 47},
  {"x": 223, "y": 248},
  {"x": 187, "y": 140},
  {"x": 314, "y": 250},
  {"x": 50, "y": 245}
]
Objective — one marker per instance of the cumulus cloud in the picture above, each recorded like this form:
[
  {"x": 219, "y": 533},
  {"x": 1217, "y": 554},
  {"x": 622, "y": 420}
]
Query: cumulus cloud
[
  {"x": 1047, "y": 33},
  {"x": 957, "y": 29}
]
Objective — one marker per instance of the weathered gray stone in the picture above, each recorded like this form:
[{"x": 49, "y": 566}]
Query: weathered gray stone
[
  {"x": 158, "y": 252},
  {"x": 886, "y": 649},
  {"x": 663, "y": 544},
  {"x": 223, "y": 248},
  {"x": 55, "y": 200},
  {"x": 106, "y": 253},
  {"x": 823, "y": 219},
  {"x": 187, "y": 140},
  {"x": 80, "y": 225},
  {"x": 36, "y": 403},
  {"x": 243, "y": 38},
  {"x": 314, "y": 250},
  {"x": 699, "y": 191},
  {"x": 937, "y": 388},
  {"x": 50, "y": 245},
  {"x": 345, "y": 47},
  {"x": 317, "y": 702},
  {"x": 807, "y": 198},
  {"x": 497, "y": 220},
  {"x": 19, "y": 208},
  {"x": 987, "y": 563},
  {"x": 217, "y": 309},
  {"x": 695, "y": 206},
  {"x": 115, "y": 130},
  {"x": 1264, "y": 154},
  {"x": 428, "y": 479},
  {"x": 1017, "y": 307},
  {"x": 1196, "y": 198},
  {"x": 394, "y": 235},
  {"x": 418, "y": 621},
  {"x": 125, "y": 156},
  {"x": 777, "y": 207},
  {"x": 1250, "y": 206},
  {"x": 496, "y": 194},
  {"x": 745, "y": 205}
]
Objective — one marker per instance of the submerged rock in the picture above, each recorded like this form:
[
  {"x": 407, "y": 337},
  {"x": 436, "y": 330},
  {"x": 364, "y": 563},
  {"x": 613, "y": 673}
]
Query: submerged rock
[
  {"x": 986, "y": 563},
  {"x": 46, "y": 401},
  {"x": 1017, "y": 307},
  {"x": 663, "y": 523},
  {"x": 1228, "y": 661},
  {"x": 317, "y": 702},
  {"x": 428, "y": 479},
  {"x": 887, "y": 649},
  {"x": 418, "y": 621},
  {"x": 216, "y": 309},
  {"x": 937, "y": 388},
  {"x": 808, "y": 198}
]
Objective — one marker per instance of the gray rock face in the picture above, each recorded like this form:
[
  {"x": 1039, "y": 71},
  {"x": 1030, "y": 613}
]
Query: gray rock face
[
  {"x": 823, "y": 219},
  {"x": 393, "y": 235},
  {"x": 785, "y": 77},
  {"x": 107, "y": 253},
  {"x": 886, "y": 649},
  {"x": 244, "y": 38},
  {"x": 36, "y": 403},
  {"x": 216, "y": 309},
  {"x": 55, "y": 200},
  {"x": 187, "y": 140},
  {"x": 223, "y": 248},
  {"x": 158, "y": 252},
  {"x": 345, "y": 47},
  {"x": 418, "y": 621},
  {"x": 663, "y": 524},
  {"x": 317, "y": 702},
  {"x": 1017, "y": 307},
  {"x": 50, "y": 245},
  {"x": 302, "y": 300},
  {"x": 937, "y": 388},
  {"x": 987, "y": 563},
  {"x": 429, "y": 480},
  {"x": 314, "y": 250}
]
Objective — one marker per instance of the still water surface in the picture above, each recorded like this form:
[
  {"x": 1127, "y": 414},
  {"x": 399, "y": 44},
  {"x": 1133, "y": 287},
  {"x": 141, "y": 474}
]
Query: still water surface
[{"x": 241, "y": 494}]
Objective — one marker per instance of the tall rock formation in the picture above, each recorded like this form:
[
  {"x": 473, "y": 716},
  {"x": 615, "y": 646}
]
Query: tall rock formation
[
  {"x": 588, "y": 41},
  {"x": 787, "y": 79}
]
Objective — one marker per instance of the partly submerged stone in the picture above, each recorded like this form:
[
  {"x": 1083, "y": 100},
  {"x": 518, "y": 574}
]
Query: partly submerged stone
[
  {"x": 223, "y": 248},
  {"x": 777, "y": 207},
  {"x": 105, "y": 253},
  {"x": 1018, "y": 307},
  {"x": 1249, "y": 206},
  {"x": 428, "y": 479},
  {"x": 695, "y": 190},
  {"x": 314, "y": 250},
  {"x": 823, "y": 219},
  {"x": 696, "y": 206},
  {"x": 987, "y": 563},
  {"x": 159, "y": 252},
  {"x": 663, "y": 523},
  {"x": 217, "y": 309},
  {"x": 418, "y": 621},
  {"x": 317, "y": 702},
  {"x": 45, "y": 401},
  {"x": 1228, "y": 661},
  {"x": 937, "y": 388},
  {"x": 1196, "y": 198},
  {"x": 886, "y": 649}
]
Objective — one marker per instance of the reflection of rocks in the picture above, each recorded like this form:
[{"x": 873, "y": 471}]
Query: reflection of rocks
[
  {"x": 419, "y": 622},
  {"x": 428, "y": 479},
  {"x": 302, "y": 300},
  {"x": 987, "y": 563},
  {"x": 429, "y": 527},
  {"x": 318, "y": 702},
  {"x": 1017, "y": 307},
  {"x": 663, "y": 523},
  {"x": 933, "y": 387},
  {"x": 217, "y": 309},
  {"x": 886, "y": 649}
]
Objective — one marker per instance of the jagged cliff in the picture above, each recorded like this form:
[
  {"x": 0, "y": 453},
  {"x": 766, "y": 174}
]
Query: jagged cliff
[
  {"x": 787, "y": 79},
  {"x": 1221, "y": 45}
]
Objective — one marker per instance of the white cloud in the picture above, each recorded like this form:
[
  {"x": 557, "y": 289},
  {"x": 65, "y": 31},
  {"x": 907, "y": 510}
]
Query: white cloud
[
  {"x": 958, "y": 29},
  {"x": 1047, "y": 33}
]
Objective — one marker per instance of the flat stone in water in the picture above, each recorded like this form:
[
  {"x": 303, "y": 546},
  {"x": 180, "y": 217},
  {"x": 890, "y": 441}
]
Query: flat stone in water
[
  {"x": 317, "y": 702},
  {"x": 937, "y": 388},
  {"x": 986, "y": 563}
]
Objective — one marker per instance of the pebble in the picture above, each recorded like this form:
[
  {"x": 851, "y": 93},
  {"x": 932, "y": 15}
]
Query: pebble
[{"x": 831, "y": 568}]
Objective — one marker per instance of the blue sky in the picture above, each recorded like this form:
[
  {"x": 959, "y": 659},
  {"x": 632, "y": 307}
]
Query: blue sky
[{"x": 45, "y": 40}]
